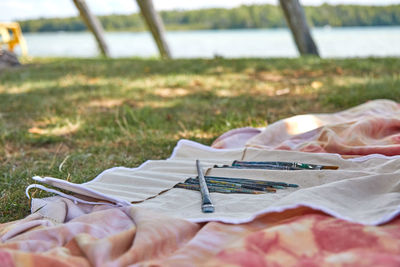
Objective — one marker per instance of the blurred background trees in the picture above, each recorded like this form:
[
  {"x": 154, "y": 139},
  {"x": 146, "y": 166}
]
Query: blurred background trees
[{"x": 243, "y": 17}]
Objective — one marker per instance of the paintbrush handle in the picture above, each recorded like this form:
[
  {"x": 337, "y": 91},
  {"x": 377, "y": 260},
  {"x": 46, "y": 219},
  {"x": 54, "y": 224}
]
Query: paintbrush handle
[
  {"x": 278, "y": 165},
  {"x": 206, "y": 205}
]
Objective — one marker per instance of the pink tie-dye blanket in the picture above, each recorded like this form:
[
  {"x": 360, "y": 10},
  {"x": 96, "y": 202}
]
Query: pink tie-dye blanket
[
  {"x": 101, "y": 235},
  {"x": 371, "y": 128}
]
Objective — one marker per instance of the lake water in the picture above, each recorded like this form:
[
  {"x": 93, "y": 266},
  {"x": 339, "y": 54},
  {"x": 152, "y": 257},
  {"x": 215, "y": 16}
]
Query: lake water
[{"x": 332, "y": 42}]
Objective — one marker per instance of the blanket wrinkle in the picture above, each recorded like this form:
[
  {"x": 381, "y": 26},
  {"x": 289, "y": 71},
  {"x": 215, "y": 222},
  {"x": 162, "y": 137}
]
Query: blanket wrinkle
[
  {"x": 373, "y": 127},
  {"x": 215, "y": 236},
  {"x": 110, "y": 237},
  {"x": 324, "y": 242},
  {"x": 32, "y": 221},
  {"x": 156, "y": 237}
]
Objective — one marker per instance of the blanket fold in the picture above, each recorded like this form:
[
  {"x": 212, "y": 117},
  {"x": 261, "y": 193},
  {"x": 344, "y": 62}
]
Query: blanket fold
[{"x": 370, "y": 128}]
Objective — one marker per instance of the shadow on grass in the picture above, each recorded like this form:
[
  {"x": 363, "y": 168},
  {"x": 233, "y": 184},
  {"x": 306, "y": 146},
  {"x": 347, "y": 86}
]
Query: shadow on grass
[
  {"x": 51, "y": 69},
  {"x": 195, "y": 112}
]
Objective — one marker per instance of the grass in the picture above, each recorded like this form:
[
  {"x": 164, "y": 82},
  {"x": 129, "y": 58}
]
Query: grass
[{"x": 73, "y": 118}]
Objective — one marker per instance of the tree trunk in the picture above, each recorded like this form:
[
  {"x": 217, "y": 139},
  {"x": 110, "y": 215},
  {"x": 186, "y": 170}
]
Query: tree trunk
[
  {"x": 93, "y": 24},
  {"x": 155, "y": 25},
  {"x": 297, "y": 22}
]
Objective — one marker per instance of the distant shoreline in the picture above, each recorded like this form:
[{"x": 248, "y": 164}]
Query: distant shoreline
[
  {"x": 243, "y": 17},
  {"x": 216, "y": 30}
]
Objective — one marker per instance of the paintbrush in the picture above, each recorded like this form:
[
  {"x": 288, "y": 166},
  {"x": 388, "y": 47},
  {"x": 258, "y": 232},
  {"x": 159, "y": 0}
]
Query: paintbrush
[
  {"x": 227, "y": 184},
  {"x": 206, "y": 204},
  {"x": 276, "y": 165},
  {"x": 219, "y": 189}
]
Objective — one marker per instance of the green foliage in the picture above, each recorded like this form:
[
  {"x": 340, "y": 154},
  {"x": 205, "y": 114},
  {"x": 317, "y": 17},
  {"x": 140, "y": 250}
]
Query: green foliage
[
  {"x": 243, "y": 17},
  {"x": 353, "y": 15}
]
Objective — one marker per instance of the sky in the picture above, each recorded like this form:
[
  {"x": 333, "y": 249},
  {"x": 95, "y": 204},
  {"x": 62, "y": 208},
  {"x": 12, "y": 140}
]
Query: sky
[{"x": 29, "y": 9}]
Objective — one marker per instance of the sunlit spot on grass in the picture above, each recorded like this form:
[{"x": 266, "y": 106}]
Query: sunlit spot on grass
[
  {"x": 219, "y": 70},
  {"x": 284, "y": 91},
  {"x": 106, "y": 103},
  {"x": 60, "y": 129},
  {"x": 171, "y": 92},
  {"x": 343, "y": 81},
  {"x": 226, "y": 93},
  {"x": 196, "y": 82},
  {"x": 25, "y": 88},
  {"x": 14, "y": 89},
  {"x": 262, "y": 89},
  {"x": 155, "y": 104},
  {"x": 193, "y": 134},
  {"x": 70, "y": 80},
  {"x": 269, "y": 76},
  {"x": 317, "y": 84},
  {"x": 138, "y": 104}
]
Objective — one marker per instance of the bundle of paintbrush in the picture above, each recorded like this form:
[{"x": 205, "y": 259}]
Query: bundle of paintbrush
[
  {"x": 276, "y": 165},
  {"x": 235, "y": 185}
]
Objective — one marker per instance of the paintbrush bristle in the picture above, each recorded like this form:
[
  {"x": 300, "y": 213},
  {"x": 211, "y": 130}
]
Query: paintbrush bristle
[
  {"x": 330, "y": 167},
  {"x": 207, "y": 208}
]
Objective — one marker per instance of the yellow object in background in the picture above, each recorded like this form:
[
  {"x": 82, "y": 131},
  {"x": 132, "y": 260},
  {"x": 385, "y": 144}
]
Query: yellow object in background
[{"x": 12, "y": 40}]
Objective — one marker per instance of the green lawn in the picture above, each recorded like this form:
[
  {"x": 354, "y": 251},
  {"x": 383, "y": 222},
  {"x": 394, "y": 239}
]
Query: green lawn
[{"x": 73, "y": 118}]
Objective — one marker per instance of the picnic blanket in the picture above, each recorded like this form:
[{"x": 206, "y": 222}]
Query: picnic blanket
[
  {"x": 69, "y": 231},
  {"x": 370, "y": 128}
]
